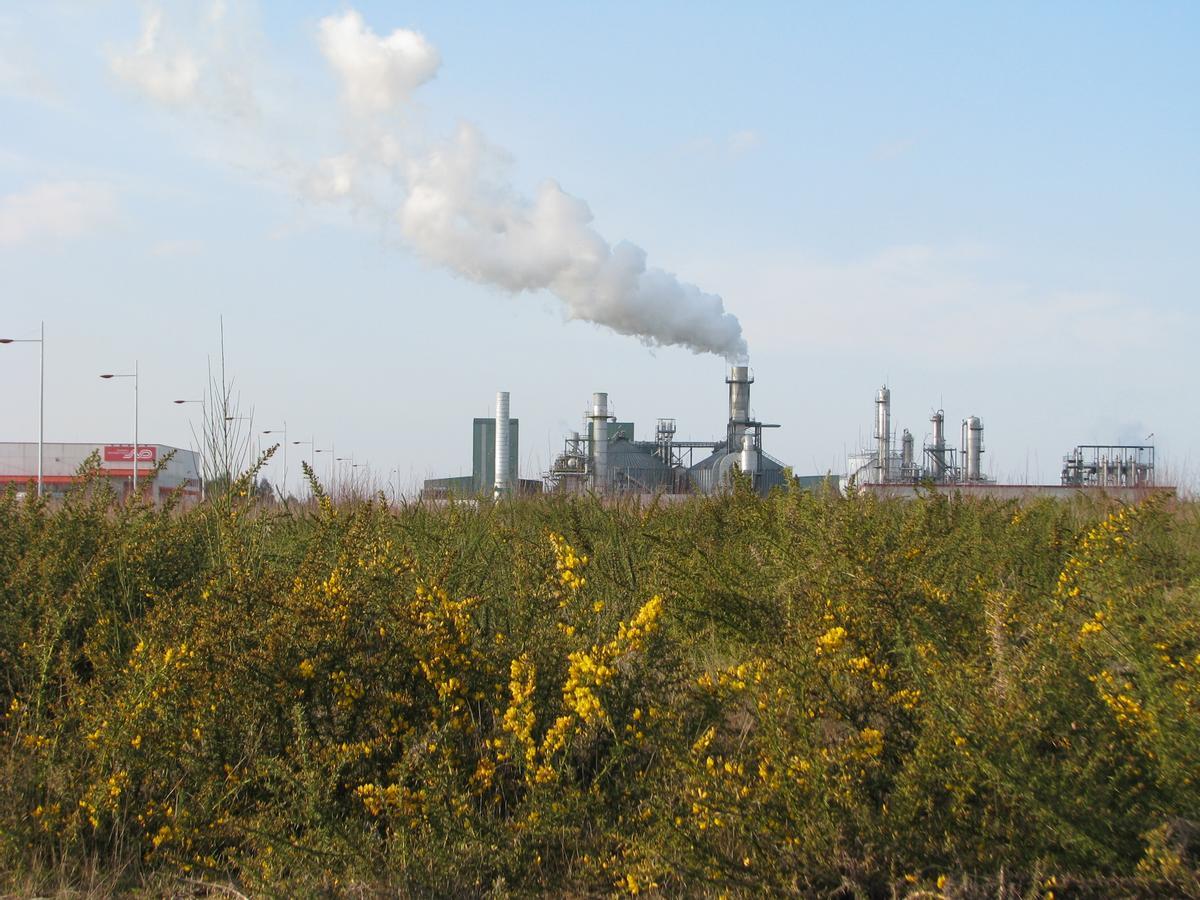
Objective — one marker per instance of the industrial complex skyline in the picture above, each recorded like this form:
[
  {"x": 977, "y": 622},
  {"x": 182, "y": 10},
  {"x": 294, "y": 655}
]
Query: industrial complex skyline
[{"x": 399, "y": 212}]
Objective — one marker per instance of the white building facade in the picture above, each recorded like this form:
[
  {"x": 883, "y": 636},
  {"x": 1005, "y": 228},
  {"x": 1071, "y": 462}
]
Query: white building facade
[{"x": 61, "y": 463}]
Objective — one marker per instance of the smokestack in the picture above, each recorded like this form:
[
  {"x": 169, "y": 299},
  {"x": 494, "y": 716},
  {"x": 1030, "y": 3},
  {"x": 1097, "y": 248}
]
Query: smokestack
[
  {"x": 883, "y": 425},
  {"x": 599, "y": 419},
  {"x": 502, "y": 485},
  {"x": 739, "y": 382}
]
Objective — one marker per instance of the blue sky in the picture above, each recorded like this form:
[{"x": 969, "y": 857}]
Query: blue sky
[{"x": 994, "y": 209}]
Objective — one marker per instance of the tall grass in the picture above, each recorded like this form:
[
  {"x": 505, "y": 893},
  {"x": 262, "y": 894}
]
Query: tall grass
[{"x": 802, "y": 694}]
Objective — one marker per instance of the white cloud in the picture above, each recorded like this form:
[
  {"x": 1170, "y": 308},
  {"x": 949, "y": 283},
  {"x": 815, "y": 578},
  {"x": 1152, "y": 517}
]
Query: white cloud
[
  {"x": 199, "y": 59},
  {"x": 55, "y": 210},
  {"x": 742, "y": 142},
  {"x": 167, "y": 75},
  {"x": 173, "y": 249},
  {"x": 939, "y": 298},
  {"x": 376, "y": 73},
  {"x": 889, "y": 150},
  {"x": 332, "y": 179}
]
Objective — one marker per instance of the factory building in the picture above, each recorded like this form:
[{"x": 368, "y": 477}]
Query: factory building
[
  {"x": 487, "y": 445},
  {"x": 605, "y": 456},
  {"x": 61, "y": 464}
]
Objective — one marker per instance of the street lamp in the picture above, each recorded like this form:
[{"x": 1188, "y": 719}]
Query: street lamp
[
  {"x": 332, "y": 464},
  {"x": 277, "y": 429},
  {"x": 203, "y": 414},
  {"x": 312, "y": 448},
  {"x": 41, "y": 342},
  {"x": 134, "y": 376},
  {"x": 349, "y": 459}
]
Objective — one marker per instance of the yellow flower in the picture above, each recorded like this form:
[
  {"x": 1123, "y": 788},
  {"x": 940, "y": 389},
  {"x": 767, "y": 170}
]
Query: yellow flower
[
  {"x": 832, "y": 639},
  {"x": 306, "y": 669}
]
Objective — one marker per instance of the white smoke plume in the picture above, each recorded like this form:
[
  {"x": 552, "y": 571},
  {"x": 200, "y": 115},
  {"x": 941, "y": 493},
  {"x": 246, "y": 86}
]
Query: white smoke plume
[
  {"x": 454, "y": 200},
  {"x": 457, "y": 215},
  {"x": 376, "y": 73}
]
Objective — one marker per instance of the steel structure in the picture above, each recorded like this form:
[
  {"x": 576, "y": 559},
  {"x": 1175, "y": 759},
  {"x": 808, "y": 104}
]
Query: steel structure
[
  {"x": 882, "y": 463},
  {"x": 608, "y": 459},
  {"x": 1109, "y": 465}
]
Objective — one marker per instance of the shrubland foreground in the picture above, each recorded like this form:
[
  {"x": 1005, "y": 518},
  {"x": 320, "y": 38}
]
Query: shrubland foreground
[{"x": 804, "y": 694}]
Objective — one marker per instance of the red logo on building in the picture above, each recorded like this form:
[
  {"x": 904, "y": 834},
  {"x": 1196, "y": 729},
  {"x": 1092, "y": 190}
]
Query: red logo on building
[{"x": 124, "y": 453}]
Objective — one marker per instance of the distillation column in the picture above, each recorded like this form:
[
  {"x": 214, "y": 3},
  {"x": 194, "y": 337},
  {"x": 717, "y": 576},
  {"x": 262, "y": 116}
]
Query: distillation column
[
  {"x": 883, "y": 439},
  {"x": 973, "y": 444}
]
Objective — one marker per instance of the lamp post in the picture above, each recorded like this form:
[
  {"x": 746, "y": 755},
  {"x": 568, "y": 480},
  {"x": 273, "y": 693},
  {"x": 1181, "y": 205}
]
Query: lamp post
[
  {"x": 277, "y": 429},
  {"x": 312, "y": 448},
  {"x": 349, "y": 459},
  {"x": 203, "y": 414},
  {"x": 134, "y": 376},
  {"x": 332, "y": 465},
  {"x": 41, "y": 342}
]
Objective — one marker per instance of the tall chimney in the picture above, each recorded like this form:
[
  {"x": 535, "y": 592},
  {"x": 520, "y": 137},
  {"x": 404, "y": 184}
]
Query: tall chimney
[
  {"x": 599, "y": 419},
  {"x": 739, "y": 382},
  {"x": 503, "y": 487}
]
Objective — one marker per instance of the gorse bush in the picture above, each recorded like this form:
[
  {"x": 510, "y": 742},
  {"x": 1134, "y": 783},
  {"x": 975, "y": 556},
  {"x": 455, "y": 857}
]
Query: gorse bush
[{"x": 802, "y": 694}]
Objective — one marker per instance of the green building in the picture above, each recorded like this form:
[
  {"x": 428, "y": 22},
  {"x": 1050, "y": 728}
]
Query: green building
[{"x": 482, "y": 479}]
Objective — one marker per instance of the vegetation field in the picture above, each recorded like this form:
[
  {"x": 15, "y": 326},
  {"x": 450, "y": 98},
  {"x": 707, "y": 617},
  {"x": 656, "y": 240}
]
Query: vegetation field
[{"x": 806, "y": 694}]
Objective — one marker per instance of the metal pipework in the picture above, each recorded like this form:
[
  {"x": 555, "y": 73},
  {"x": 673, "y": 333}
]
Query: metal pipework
[
  {"x": 906, "y": 452},
  {"x": 749, "y": 459},
  {"x": 502, "y": 486},
  {"x": 883, "y": 439},
  {"x": 599, "y": 419},
  {"x": 973, "y": 443}
]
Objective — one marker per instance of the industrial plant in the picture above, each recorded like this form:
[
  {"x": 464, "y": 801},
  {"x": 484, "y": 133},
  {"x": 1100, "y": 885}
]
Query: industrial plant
[
  {"x": 606, "y": 457},
  {"x": 939, "y": 462},
  {"x": 1123, "y": 470}
]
